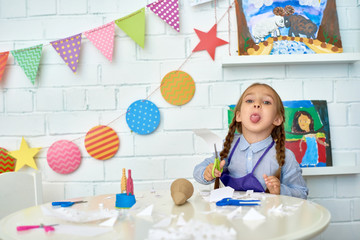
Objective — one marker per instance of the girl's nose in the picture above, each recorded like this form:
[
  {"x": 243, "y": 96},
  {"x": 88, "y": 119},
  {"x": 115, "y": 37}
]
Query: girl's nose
[{"x": 256, "y": 106}]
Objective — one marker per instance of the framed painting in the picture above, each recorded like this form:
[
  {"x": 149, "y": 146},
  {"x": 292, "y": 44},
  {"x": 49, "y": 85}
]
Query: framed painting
[
  {"x": 307, "y": 131},
  {"x": 276, "y": 27}
]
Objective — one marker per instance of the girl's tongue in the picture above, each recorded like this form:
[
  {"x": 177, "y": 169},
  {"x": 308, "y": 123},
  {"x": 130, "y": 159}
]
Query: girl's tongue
[{"x": 255, "y": 118}]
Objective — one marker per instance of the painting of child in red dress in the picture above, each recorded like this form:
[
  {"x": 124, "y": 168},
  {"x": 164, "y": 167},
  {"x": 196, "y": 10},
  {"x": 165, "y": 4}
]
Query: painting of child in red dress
[{"x": 307, "y": 132}]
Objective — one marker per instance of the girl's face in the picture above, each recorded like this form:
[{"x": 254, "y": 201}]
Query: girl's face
[
  {"x": 258, "y": 113},
  {"x": 304, "y": 123}
]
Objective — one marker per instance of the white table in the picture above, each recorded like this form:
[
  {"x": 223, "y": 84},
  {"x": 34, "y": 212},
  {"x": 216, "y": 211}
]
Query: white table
[{"x": 304, "y": 219}]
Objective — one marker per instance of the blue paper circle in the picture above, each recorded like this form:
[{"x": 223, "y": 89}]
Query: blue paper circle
[{"x": 143, "y": 117}]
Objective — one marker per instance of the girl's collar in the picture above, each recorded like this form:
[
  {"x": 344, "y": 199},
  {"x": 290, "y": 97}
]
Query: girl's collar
[{"x": 255, "y": 147}]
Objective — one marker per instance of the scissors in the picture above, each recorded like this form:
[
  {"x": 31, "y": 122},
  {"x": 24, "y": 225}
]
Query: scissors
[
  {"x": 66, "y": 203},
  {"x": 216, "y": 163},
  {"x": 47, "y": 228},
  {"x": 237, "y": 202}
]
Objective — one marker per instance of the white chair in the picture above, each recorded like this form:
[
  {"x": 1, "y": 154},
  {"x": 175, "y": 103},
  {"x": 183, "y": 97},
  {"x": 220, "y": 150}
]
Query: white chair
[{"x": 19, "y": 190}]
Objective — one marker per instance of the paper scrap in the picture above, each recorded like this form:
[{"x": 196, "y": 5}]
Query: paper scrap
[
  {"x": 193, "y": 230},
  {"x": 253, "y": 219},
  {"x": 75, "y": 215},
  {"x": 146, "y": 212},
  {"x": 163, "y": 223},
  {"x": 109, "y": 223},
  {"x": 77, "y": 230},
  {"x": 281, "y": 210},
  {"x": 181, "y": 221},
  {"x": 210, "y": 138},
  {"x": 209, "y": 212},
  {"x": 252, "y": 215},
  {"x": 249, "y": 193},
  {"x": 220, "y": 193},
  {"x": 234, "y": 213}
]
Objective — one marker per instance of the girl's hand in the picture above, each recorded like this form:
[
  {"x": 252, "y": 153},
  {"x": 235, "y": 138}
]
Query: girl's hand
[
  {"x": 272, "y": 183},
  {"x": 208, "y": 171}
]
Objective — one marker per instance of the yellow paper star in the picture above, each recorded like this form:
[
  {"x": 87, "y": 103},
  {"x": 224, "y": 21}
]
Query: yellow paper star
[{"x": 24, "y": 155}]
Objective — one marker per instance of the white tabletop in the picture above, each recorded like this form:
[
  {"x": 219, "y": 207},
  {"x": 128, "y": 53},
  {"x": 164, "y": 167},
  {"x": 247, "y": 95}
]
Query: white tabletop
[{"x": 294, "y": 218}]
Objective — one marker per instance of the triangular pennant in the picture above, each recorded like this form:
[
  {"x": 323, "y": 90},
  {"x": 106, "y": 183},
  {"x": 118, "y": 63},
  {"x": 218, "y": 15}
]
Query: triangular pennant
[
  {"x": 69, "y": 49},
  {"x": 3, "y": 59},
  {"x": 167, "y": 10},
  {"x": 103, "y": 39},
  {"x": 134, "y": 26},
  {"x": 29, "y": 59}
]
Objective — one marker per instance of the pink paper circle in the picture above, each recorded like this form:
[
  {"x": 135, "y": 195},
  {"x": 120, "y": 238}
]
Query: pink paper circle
[{"x": 64, "y": 157}]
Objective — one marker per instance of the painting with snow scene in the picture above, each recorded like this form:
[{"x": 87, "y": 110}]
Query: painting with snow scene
[{"x": 273, "y": 27}]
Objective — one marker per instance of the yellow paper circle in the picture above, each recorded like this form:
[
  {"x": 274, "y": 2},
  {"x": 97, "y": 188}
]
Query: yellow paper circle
[{"x": 177, "y": 87}]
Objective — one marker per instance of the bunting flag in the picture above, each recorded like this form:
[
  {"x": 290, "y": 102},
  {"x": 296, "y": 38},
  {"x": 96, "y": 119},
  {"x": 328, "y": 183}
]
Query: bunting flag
[
  {"x": 103, "y": 39},
  {"x": 102, "y": 142},
  {"x": 177, "y": 87},
  {"x": 143, "y": 117},
  {"x": 69, "y": 50},
  {"x": 29, "y": 59},
  {"x": 64, "y": 157},
  {"x": 3, "y": 59},
  {"x": 7, "y": 162},
  {"x": 208, "y": 41},
  {"x": 167, "y": 10},
  {"x": 134, "y": 26},
  {"x": 24, "y": 156}
]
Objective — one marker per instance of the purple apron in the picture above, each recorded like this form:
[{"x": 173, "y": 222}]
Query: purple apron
[{"x": 249, "y": 181}]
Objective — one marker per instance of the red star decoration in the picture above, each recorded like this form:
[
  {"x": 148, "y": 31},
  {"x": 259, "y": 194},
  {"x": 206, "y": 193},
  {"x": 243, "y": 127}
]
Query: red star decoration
[{"x": 208, "y": 41}]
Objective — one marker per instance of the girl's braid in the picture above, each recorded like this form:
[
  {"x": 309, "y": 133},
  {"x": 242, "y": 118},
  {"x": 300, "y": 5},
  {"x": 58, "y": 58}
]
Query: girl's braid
[
  {"x": 229, "y": 138},
  {"x": 278, "y": 135}
]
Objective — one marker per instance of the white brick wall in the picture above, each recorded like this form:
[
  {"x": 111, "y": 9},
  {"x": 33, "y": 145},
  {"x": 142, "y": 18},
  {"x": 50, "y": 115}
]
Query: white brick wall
[
  {"x": 223, "y": 94},
  {"x": 339, "y": 208},
  {"x": 72, "y": 7},
  {"x": 41, "y": 7},
  {"x": 163, "y": 47},
  {"x": 105, "y": 6},
  {"x": 20, "y": 29},
  {"x": 347, "y": 91},
  {"x": 19, "y": 101},
  {"x": 64, "y": 105},
  {"x": 102, "y": 99},
  {"x": 321, "y": 186},
  {"x": 356, "y": 210},
  {"x": 75, "y": 99},
  {"x": 2, "y": 101},
  {"x": 354, "y": 114},
  {"x": 49, "y": 99},
  {"x": 338, "y": 114},
  {"x": 14, "y": 10},
  {"x": 72, "y": 122}
]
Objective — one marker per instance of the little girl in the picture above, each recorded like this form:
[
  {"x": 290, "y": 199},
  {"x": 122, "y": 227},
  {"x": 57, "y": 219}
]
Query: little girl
[{"x": 256, "y": 159}]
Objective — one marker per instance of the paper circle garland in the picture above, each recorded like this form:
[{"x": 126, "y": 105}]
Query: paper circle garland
[
  {"x": 177, "y": 87},
  {"x": 7, "y": 162},
  {"x": 102, "y": 142},
  {"x": 64, "y": 157},
  {"x": 143, "y": 117}
]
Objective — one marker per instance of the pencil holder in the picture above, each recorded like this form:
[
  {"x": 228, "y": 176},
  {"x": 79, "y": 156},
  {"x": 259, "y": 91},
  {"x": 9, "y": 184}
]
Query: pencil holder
[{"x": 125, "y": 201}]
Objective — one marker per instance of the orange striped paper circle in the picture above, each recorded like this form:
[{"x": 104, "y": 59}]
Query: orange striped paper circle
[{"x": 101, "y": 142}]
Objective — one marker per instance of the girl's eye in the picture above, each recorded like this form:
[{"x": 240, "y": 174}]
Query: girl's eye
[
  {"x": 267, "y": 102},
  {"x": 249, "y": 101}
]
